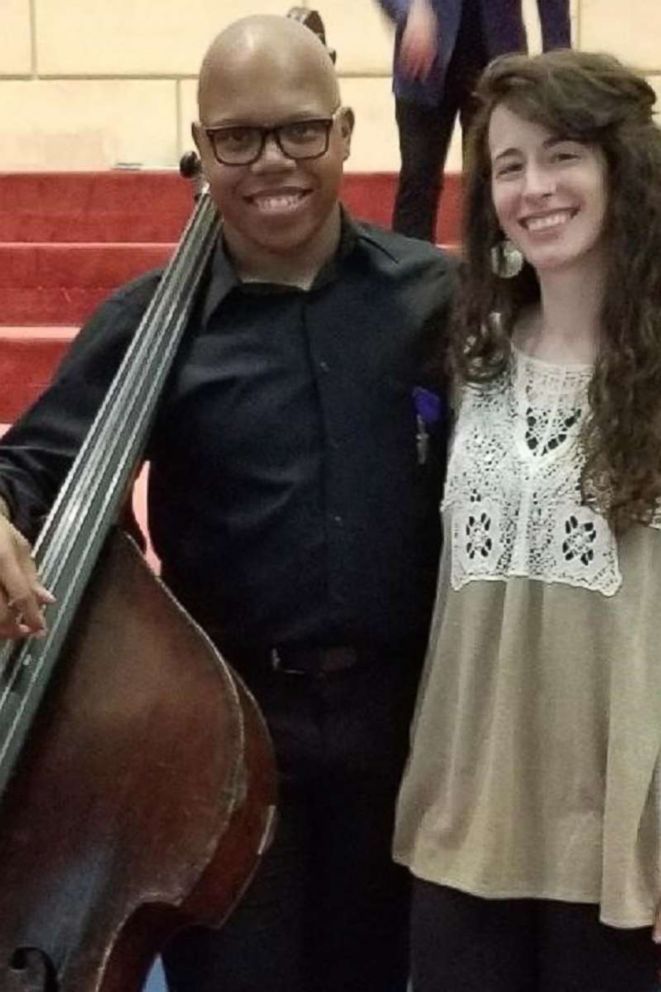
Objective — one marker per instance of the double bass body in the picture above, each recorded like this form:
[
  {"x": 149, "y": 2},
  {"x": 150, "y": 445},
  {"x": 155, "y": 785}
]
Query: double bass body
[{"x": 142, "y": 801}]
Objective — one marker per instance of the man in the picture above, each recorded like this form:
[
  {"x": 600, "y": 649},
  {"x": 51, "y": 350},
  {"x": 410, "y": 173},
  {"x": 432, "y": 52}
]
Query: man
[
  {"x": 441, "y": 47},
  {"x": 293, "y": 503}
]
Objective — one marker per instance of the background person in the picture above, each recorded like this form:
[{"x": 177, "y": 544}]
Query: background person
[{"x": 555, "y": 24}]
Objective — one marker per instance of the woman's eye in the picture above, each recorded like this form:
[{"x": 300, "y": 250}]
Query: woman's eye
[
  {"x": 565, "y": 155},
  {"x": 510, "y": 169}
]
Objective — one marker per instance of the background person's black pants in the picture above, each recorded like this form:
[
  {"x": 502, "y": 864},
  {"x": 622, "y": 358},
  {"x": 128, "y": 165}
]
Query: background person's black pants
[
  {"x": 425, "y": 133},
  {"x": 328, "y": 910},
  {"x": 460, "y": 943}
]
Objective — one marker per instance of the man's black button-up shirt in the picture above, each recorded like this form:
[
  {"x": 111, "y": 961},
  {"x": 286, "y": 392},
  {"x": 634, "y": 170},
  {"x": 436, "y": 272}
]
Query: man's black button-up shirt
[{"x": 287, "y": 500}]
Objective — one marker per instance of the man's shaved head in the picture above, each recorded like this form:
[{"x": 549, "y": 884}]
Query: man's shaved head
[
  {"x": 263, "y": 74},
  {"x": 270, "y": 41}
]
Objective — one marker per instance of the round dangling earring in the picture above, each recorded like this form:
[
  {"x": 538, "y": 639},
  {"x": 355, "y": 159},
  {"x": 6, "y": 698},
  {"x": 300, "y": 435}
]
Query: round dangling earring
[{"x": 506, "y": 259}]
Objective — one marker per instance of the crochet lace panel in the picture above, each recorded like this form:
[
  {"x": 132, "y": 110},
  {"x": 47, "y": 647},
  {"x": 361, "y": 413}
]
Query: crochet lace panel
[{"x": 513, "y": 490}]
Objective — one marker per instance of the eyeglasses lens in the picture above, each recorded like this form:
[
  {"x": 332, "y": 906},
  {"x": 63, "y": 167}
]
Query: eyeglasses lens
[{"x": 298, "y": 140}]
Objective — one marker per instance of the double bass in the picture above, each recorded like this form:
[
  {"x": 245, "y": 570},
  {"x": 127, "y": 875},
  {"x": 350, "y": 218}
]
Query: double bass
[{"x": 136, "y": 776}]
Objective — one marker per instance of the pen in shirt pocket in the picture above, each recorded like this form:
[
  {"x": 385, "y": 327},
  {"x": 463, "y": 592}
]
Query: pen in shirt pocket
[{"x": 428, "y": 412}]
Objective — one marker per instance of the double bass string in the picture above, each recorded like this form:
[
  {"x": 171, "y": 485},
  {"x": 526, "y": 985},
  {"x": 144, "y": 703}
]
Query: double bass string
[
  {"x": 91, "y": 496},
  {"x": 54, "y": 550}
]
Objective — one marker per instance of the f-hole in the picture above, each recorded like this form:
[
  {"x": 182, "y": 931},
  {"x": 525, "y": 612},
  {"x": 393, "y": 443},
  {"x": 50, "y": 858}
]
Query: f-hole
[{"x": 31, "y": 970}]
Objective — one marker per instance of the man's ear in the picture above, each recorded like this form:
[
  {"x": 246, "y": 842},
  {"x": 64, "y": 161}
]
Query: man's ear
[
  {"x": 347, "y": 121},
  {"x": 196, "y": 134}
]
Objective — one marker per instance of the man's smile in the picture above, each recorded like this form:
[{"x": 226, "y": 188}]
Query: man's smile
[{"x": 278, "y": 201}]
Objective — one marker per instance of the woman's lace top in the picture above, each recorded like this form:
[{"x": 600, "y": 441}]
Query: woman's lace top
[
  {"x": 535, "y": 766},
  {"x": 514, "y": 482}
]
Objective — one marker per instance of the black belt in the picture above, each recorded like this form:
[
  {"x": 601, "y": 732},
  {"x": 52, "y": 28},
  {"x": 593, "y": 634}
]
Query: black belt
[
  {"x": 298, "y": 659},
  {"x": 309, "y": 659}
]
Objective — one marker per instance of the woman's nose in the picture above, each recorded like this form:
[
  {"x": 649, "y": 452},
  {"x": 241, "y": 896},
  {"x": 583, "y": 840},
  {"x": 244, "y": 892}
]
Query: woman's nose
[{"x": 538, "y": 181}]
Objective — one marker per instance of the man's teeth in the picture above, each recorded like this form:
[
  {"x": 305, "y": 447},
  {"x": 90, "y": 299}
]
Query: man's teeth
[
  {"x": 278, "y": 201},
  {"x": 551, "y": 220}
]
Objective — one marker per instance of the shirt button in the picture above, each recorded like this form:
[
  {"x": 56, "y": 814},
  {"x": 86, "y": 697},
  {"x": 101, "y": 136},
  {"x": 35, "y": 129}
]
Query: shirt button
[
  {"x": 324, "y": 366},
  {"x": 338, "y": 520}
]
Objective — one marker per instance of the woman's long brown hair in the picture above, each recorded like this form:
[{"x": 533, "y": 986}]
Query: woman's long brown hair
[{"x": 593, "y": 99}]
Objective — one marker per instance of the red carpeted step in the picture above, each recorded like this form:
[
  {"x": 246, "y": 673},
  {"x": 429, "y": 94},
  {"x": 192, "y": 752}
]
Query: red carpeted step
[
  {"x": 91, "y": 265},
  {"x": 63, "y": 283},
  {"x": 151, "y": 206},
  {"x": 115, "y": 206},
  {"x": 371, "y": 196},
  {"x": 52, "y": 306},
  {"x": 28, "y": 358}
]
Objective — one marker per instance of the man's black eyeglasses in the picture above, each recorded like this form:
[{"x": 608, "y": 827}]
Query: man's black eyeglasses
[{"x": 243, "y": 144}]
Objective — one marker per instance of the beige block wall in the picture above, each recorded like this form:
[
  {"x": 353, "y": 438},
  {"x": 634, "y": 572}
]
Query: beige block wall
[
  {"x": 15, "y": 38},
  {"x": 88, "y": 85},
  {"x": 87, "y": 123}
]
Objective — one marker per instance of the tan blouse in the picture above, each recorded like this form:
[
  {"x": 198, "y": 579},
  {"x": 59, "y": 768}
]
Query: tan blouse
[{"x": 534, "y": 767}]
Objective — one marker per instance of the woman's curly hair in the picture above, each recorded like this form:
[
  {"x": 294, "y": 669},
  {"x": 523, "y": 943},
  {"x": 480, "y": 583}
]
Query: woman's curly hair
[{"x": 593, "y": 99}]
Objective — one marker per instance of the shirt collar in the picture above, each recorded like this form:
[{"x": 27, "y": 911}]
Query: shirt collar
[
  {"x": 348, "y": 241},
  {"x": 223, "y": 277},
  {"x": 222, "y": 280}
]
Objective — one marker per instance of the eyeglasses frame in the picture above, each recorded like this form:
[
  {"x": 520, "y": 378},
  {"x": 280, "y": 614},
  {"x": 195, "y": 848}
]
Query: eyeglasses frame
[{"x": 267, "y": 132}]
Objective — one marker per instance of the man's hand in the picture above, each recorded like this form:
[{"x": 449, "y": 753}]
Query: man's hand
[
  {"x": 419, "y": 42},
  {"x": 22, "y": 596}
]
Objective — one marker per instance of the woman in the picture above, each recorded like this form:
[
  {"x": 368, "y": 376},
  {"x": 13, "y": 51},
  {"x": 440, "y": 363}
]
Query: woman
[{"x": 530, "y": 812}]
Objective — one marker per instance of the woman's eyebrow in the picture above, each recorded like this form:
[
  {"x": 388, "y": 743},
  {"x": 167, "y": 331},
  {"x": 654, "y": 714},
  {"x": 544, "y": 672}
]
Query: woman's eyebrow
[{"x": 505, "y": 153}]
